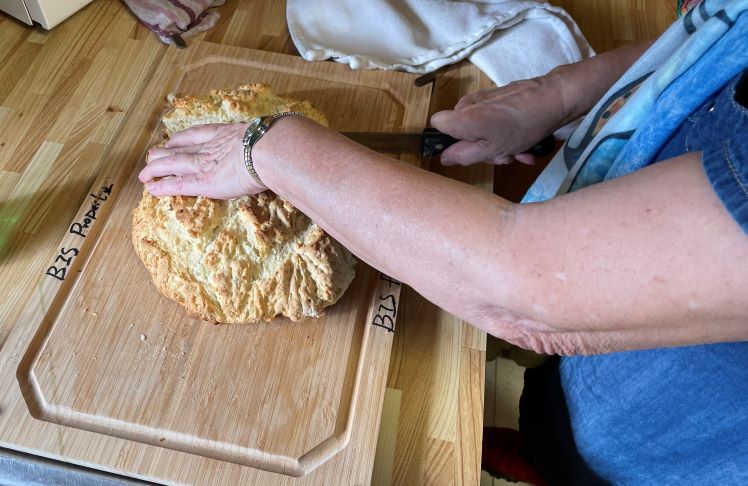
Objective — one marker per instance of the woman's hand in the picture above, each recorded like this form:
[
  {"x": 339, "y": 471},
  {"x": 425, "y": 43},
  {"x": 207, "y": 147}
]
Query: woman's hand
[
  {"x": 497, "y": 125},
  {"x": 207, "y": 160}
]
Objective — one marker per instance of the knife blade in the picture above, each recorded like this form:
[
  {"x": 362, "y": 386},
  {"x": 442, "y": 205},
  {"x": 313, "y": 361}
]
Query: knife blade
[{"x": 428, "y": 143}]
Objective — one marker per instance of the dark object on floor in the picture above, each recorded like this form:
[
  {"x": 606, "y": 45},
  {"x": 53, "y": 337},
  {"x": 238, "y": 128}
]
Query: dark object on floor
[
  {"x": 176, "y": 20},
  {"x": 496, "y": 347},
  {"x": 502, "y": 456},
  {"x": 545, "y": 426}
]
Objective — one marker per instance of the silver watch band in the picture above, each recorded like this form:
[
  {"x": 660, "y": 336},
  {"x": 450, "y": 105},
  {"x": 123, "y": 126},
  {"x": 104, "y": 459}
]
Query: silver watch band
[{"x": 254, "y": 133}]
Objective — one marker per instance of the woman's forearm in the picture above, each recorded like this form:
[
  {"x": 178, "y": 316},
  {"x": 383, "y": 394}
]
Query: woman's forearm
[
  {"x": 433, "y": 233},
  {"x": 611, "y": 267},
  {"x": 497, "y": 125},
  {"x": 582, "y": 84}
]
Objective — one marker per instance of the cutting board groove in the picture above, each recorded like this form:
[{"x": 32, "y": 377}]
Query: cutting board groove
[{"x": 112, "y": 355}]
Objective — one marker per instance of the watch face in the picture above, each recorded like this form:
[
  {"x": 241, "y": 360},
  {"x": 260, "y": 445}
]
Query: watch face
[
  {"x": 254, "y": 124},
  {"x": 251, "y": 130}
]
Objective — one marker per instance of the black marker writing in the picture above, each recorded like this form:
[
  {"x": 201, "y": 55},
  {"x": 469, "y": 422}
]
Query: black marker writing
[
  {"x": 66, "y": 255},
  {"x": 90, "y": 215},
  {"x": 390, "y": 281},
  {"x": 387, "y": 310}
]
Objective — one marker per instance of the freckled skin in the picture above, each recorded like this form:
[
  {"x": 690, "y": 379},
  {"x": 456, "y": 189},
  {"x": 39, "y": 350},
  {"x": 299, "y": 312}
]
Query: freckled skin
[{"x": 634, "y": 251}]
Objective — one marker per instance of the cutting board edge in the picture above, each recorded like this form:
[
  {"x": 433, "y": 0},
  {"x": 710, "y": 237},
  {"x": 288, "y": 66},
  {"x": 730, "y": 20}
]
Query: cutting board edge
[
  {"x": 310, "y": 460},
  {"x": 30, "y": 389},
  {"x": 148, "y": 435}
]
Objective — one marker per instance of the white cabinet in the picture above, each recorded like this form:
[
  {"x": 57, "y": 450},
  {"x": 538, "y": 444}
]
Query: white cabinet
[
  {"x": 16, "y": 8},
  {"x": 48, "y": 13}
]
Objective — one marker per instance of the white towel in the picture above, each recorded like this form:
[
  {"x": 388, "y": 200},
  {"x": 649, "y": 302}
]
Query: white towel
[{"x": 506, "y": 39}]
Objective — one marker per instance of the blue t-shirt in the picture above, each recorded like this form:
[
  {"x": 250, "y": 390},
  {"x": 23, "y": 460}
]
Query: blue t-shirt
[
  {"x": 720, "y": 130},
  {"x": 677, "y": 415}
]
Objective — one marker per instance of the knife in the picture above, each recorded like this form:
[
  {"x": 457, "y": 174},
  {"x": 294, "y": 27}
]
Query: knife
[{"x": 428, "y": 143}]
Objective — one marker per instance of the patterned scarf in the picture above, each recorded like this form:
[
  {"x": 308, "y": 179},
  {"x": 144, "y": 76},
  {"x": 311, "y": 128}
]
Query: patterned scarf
[{"x": 689, "y": 63}]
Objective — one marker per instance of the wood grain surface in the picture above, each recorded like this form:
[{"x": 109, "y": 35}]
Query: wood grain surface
[
  {"x": 135, "y": 57},
  {"x": 437, "y": 368},
  {"x": 63, "y": 97},
  {"x": 611, "y": 24},
  {"x": 114, "y": 356}
]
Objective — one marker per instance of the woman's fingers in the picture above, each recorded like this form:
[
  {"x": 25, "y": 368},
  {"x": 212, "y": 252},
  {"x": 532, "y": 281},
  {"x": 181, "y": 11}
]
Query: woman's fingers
[
  {"x": 467, "y": 152},
  {"x": 192, "y": 136},
  {"x": 173, "y": 164},
  {"x": 191, "y": 185},
  {"x": 453, "y": 123},
  {"x": 201, "y": 161},
  {"x": 159, "y": 152},
  {"x": 525, "y": 158}
]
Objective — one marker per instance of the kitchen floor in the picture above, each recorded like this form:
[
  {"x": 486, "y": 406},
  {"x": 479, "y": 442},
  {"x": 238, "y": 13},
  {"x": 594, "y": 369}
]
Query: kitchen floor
[{"x": 504, "y": 381}]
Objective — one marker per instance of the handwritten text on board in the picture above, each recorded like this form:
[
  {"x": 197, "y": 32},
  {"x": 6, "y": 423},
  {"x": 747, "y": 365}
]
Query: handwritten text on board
[
  {"x": 387, "y": 310},
  {"x": 64, "y": 258}
]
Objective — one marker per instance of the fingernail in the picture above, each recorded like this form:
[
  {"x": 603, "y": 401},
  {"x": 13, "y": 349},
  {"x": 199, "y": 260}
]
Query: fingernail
[{"x": 436, "y": 116}]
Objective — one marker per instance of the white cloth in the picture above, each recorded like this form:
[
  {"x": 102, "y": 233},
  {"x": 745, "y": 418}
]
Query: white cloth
[{"x": 506, "y": 39}]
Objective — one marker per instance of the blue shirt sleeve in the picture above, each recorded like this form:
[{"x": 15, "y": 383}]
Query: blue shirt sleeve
[{"x": 726, "y": 166}]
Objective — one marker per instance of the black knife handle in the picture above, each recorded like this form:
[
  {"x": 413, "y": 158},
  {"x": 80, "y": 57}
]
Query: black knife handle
[
  {"x": 545, "y": 147},
  {"x": 436, "y": 142}
]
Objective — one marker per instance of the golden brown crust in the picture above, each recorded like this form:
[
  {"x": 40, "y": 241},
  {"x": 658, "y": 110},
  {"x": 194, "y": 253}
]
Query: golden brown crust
[
  {"x": 222, "y": 106},
  {"x": 252, "y": 258}
]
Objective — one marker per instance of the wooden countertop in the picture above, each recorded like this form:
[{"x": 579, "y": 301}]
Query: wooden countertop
[{"x": 93, "y": 68}]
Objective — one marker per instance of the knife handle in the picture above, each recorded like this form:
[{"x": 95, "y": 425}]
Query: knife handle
[
  {"x": 545, "y": 147},
  {"x": 436, "y": 142}
]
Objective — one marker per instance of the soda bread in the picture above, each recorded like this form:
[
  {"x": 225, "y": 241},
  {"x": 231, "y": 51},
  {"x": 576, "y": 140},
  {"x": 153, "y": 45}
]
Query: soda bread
[{"x": 244, "y": 260}]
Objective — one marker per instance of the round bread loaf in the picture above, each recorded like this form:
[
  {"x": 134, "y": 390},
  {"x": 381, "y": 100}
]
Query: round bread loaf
[{"x": 248, "y": 259}]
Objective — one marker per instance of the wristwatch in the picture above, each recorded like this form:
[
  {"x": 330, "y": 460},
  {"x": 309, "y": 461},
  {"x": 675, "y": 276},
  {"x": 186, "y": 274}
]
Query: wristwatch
[{"x": 256, "y": 129}]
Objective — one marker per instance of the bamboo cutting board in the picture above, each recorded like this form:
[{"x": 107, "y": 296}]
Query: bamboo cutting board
[{"x": 113, "y": 356}]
